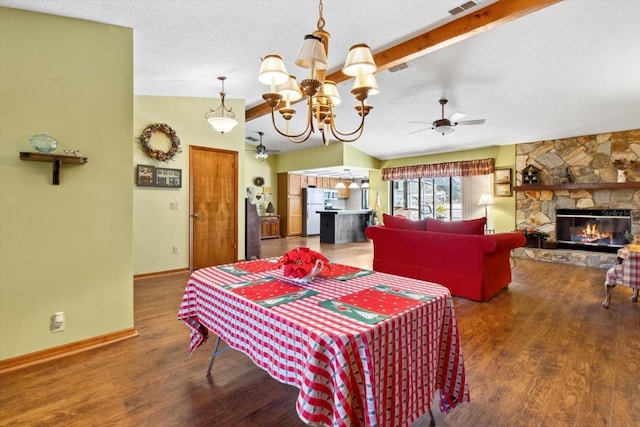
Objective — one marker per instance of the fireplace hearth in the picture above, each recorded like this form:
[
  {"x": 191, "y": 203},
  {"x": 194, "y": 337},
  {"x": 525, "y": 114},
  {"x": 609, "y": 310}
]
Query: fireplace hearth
[{"x": 601, "y": 230}]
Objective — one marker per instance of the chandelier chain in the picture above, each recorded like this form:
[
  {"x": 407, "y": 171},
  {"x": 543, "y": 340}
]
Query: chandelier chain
[{"x": 320, "y": 19}]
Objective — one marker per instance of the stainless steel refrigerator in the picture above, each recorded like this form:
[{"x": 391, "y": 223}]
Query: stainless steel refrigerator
[{"x": 312, "y": 201}]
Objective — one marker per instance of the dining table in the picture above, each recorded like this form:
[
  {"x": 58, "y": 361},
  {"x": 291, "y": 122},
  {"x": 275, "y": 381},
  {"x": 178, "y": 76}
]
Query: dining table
[{"x": 363, "y": 348}]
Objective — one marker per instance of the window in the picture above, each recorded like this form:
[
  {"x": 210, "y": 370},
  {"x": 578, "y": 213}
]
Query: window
[
  {"x": 365, "y": 198},
  {"x": 439, "y": 198}
]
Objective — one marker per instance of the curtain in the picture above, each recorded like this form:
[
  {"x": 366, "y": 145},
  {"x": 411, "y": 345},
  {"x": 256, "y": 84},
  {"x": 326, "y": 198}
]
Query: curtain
[{"x": 464, "y": 168}]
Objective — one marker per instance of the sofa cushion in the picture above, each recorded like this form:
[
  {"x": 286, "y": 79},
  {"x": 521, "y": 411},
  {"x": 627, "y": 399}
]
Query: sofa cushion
[
  {"x": 470, "y": 226},
  {"x": 403, "y": 223}
]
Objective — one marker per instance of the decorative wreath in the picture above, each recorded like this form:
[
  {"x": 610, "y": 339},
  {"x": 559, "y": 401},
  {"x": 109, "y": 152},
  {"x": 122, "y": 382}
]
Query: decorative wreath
[
  {"x": 258, "y": 181},
  {"x": 163, "y": 156}
]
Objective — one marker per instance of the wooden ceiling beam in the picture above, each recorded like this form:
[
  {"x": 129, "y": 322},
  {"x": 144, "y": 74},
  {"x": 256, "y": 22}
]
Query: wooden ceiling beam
[{"x": 483, "y": 19}]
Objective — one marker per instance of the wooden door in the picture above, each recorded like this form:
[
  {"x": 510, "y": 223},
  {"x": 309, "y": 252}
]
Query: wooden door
[{"x": 213, "y": 184}]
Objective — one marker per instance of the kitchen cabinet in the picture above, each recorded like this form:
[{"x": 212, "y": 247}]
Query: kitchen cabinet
[
  {"x": 312, "y": 181},
  {"x": 290, "y": 204},
  {"x": 269, "y": 227},
  {"x": 344, "y": 193},
  {"x": 294, "y": 184}
]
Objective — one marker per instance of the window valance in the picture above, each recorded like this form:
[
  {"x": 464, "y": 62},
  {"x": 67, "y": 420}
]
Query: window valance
[{"x": 464, "y": 168}]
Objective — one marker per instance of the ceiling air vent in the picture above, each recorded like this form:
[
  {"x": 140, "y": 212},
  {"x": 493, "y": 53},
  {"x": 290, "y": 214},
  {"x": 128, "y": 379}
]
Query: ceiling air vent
[
  {"x": 252, "y": 139},
  {"x": 398, "y": 67},
  {"x": 465, "y": 6}
]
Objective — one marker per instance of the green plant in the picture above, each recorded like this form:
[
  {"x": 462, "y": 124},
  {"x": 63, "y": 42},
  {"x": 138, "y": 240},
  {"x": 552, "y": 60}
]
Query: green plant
[{"x": 440, "y": 210}]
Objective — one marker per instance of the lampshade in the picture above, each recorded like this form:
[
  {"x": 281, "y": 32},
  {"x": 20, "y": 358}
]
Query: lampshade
[
  {"x": 353, "y": 185},
  {"x": 368, "y": 81},
  {"x": 486, "y": 199},
  {"x": 365, "y": 184},
  {"x": 312, "y": 54},
  {"x": 272, "y": 71},
  {"x": 290, "y": 90},
  {"x": 359, "y": 61},
  {"x": 340, "y": 184},
  {"x": 331, "y": 90}
]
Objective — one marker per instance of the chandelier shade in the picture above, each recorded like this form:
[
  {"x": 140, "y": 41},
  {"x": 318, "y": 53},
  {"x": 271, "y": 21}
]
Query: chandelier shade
[
  {"x": 322, "y": 95},
  {"x": 312, "y": 54},
  {"x": 359, "y": 61},
  {"x": 331, "y": 90},
  {"x": 272, "y": 71},
  {"x": 221, "y": 119},
  {"x": 290, "y": 90},
  {"x": 368, "y": 82}
]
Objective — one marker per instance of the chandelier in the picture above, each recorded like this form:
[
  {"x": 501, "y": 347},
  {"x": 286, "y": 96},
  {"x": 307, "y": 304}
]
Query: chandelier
[
  {"x": 221, "y": 118},
  {"x": 322, "y": 94}
]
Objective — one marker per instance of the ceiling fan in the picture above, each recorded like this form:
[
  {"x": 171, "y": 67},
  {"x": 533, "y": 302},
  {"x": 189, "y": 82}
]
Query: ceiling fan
[
  {"x": 261, "y": 152},
  {"x": 445, "y": 126}
]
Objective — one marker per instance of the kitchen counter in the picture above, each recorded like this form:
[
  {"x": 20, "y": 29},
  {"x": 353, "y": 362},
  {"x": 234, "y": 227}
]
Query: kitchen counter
[
  {"x": 342, "y": 226},
  {"x": 344, "y": 211}
]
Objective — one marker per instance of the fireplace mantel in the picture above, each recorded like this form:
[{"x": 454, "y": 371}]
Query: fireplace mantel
[{"x": 585, "y": 186}]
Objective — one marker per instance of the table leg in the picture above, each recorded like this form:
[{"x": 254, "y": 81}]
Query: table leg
[
  {"x": 433, "y": 420},
  {"x": 214, "y": 354}
]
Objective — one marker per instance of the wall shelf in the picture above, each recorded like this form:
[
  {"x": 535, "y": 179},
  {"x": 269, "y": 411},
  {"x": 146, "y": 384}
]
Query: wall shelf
[
  {"x": 585, "y": 186},
  {"x": 56, "y": 159}
]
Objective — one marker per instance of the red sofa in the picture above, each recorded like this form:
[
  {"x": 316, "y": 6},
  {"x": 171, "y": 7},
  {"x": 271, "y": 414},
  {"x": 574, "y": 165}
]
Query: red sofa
[{"x": 473, "y": 266}]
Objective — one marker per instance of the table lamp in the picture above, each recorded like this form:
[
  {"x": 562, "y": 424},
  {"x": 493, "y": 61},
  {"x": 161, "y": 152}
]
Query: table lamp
[{"x": 486, "y": 199}]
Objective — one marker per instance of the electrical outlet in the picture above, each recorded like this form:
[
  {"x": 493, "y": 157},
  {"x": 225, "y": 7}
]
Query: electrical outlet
[
  {"x": 58, "y": 323},
  {"x": 176, "y": 249}
]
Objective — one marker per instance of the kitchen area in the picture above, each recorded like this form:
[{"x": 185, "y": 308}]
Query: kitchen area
[{"x": 312, "y": 205}]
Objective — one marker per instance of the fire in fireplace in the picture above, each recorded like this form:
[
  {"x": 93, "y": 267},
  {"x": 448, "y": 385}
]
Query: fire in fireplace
[{"x": 593, "y": 229}]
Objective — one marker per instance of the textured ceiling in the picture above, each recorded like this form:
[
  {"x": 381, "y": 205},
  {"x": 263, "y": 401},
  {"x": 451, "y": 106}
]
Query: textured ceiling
[{"x": 570, "y": 69}]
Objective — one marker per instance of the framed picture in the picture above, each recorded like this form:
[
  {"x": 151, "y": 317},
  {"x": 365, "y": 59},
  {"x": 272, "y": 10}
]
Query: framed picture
[
  {"x": 502, "y": 183},
  {"x": 145, "y": 175},
  {"x": 168, "y": 177}
]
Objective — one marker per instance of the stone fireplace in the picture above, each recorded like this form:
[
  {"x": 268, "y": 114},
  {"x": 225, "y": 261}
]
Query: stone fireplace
[{"x": 594, "y": 172}]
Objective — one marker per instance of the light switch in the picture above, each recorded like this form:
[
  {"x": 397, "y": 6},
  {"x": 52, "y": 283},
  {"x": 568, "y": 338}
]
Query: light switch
[{"x": 174, "y": 206}]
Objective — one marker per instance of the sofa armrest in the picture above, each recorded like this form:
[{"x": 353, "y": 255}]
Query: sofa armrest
[{"x": 510, "y": 240}]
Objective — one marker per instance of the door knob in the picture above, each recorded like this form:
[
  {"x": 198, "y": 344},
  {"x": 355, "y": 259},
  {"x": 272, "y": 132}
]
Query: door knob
[{"x": 195, "y": 215}]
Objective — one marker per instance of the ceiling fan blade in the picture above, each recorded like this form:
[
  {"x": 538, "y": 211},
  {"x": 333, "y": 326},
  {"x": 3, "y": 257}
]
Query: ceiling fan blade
[
  {"x": 419, "y": 130},
  {"x": 270, "y": 151},
  {"x": 456, "y": 116},
  {"x": 471, "y": 122}
]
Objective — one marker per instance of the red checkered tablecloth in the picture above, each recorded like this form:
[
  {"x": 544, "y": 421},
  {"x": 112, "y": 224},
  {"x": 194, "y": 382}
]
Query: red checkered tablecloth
[{"x": 348, "y": 372}]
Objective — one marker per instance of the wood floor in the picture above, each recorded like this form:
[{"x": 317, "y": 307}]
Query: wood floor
[{"x": 542, "y": 353}]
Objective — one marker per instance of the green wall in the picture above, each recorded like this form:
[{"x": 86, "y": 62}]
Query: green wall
[
  {"x": 156, "y": 227},
  {"x": 66, "y": 247}
]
